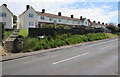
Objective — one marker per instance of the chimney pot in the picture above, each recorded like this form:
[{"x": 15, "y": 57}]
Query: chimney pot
[
  {"x": 27, "y": 7},
  {"x": 59, "y": 14},
  {"x": 43, "y": 10},
  {"x": 99, "y": 22},
  {"x": 72, "y": 16},
  {"x": 94, "y": 21},
  {"x": 103, "y": 23},
  {"x": 80, "y": 17},
  {"x": 5, "y": 5}
]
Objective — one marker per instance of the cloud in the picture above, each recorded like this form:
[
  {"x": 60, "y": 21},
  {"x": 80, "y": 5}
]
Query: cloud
[{"x": 89, "y": 11}]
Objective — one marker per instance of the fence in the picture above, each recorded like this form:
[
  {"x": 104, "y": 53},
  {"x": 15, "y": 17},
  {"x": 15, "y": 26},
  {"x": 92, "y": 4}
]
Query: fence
[{"x": 33, "y": 32}]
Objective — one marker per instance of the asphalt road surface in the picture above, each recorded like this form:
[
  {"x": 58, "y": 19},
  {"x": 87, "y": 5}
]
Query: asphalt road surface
[{"x": 94, "y": 59}]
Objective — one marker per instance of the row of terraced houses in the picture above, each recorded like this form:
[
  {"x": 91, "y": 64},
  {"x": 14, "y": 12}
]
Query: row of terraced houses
[{"x": 34, "y": 19}]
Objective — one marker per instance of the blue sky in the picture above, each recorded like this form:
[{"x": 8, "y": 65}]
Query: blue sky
[{"x": 99, "y": 11}]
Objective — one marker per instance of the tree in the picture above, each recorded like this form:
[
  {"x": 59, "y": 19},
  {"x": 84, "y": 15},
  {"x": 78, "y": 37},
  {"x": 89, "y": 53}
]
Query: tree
[
  {"x": 14, "y": 19},
  {"x": 119, "y": 25},
  {"x": 112, "y": 27}
]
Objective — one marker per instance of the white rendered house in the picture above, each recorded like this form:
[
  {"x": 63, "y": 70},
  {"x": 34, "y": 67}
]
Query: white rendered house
[
  {"x": 34, "y": 19},
  {"x": 6, "y": 17}
]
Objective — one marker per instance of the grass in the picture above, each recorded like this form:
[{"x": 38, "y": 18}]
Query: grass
[
  {"x": 23, "y": 32},
  {"x": 7, "y": 34}
]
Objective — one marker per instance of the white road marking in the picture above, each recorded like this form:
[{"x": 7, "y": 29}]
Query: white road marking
[
  {"x": 70, "y": 58},
  {"x": 106, "y": 47},
  {"x": 103, "y": 42}
]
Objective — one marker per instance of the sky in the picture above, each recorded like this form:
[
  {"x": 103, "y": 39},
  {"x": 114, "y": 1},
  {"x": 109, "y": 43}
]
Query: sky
[{"x": 99, "y": 10}]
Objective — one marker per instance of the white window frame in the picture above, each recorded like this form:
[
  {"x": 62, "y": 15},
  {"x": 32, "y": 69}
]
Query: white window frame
[{"x": 31, "y": 15}]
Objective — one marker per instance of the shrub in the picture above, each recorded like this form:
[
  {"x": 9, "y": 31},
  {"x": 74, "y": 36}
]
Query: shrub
[{"x": 30, "y": 43}]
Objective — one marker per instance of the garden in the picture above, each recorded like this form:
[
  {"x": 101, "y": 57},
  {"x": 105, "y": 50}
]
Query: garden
[{"x": 37, "y": 43}]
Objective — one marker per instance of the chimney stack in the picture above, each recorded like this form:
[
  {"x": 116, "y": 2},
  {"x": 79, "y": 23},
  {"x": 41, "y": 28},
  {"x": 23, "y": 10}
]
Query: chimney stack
[
  {"x": 5, "y": 5},
  {"x": 106, "y": 24},
  {"x": 103, "y": 23},
  {"x": 27, "y": 7},
  {"x": 89, "y": 20},
  {"x": 99, "y": 22},
  {"x": 72, "y": 16},
  {"x": 59, "y": 14},
  {"x": 94, "y": 21},
  {"x": 43, "y": 10},
  {"x": 81, "y": 17}
]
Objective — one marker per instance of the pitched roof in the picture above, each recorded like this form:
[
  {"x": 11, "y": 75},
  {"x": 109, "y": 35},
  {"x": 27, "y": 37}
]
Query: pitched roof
[
  {"x": 26, "y": 10},
  {"x": 7, "y": 9},
  {"x": 56, "y": 16},
  {"x": 97, "y": 24}
]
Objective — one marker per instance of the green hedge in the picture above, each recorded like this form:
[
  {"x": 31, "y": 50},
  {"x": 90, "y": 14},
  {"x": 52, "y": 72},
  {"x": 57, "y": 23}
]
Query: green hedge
[{"x": 31, "y": 44}]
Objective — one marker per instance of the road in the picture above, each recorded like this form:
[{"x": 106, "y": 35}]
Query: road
[{"x": 93, "y": 59}]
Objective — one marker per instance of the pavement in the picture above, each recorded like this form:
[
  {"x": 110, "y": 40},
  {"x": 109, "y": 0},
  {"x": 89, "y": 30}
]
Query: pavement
[
  {"x": 93, "y": 58},
  {"x": 22, "y": 55}
]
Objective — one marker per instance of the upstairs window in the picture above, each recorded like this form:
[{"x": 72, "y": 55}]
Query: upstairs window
[
  {"x": 73, "y": 22},
  {"x": 50, "y": 19},
  {"x": 59, "y": 20},
  {"x": 2, "y": 14},
  {"x": 66, "y": 21},
  {"x": 42, "y": 18},
  {"x": 85, "y": 23},
  {"x": 78, "y": 22},
  {"x": 31, "y": 15}
]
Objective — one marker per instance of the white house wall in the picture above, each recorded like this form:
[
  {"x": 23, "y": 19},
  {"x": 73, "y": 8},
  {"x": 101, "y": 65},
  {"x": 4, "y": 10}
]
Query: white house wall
[
  {"x": 25, "y": 19},
  {"x": 8, "y": 19},
  {"x": 63, "y": 21}
]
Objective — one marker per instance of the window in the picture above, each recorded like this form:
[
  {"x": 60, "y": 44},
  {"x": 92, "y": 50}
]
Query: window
[
  {"x": 66, "y": 21},
  {"x": 73, "y": 22},
  {"x": 85, "y": 23},
  {"x": 78, "y": 22},
  {"x": 31, "y": 15},
  {"x": 50, "y": 19},
  {"x": 31, "y": 23},
  {"x": 2, "y": 14},
  {"x": 59, "y": 20},
  {"x": 42, "y": 18}
]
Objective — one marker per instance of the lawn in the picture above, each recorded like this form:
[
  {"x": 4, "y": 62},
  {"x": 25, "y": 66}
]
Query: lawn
[{"x": 23, "y": 32}]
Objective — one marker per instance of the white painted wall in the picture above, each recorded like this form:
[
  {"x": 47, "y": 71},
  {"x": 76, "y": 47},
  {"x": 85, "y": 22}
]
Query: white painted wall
[
  {"x": 8, "y": 19},
  {"x": 63, "y": 21},
  {"x": 24, "y": 19}
]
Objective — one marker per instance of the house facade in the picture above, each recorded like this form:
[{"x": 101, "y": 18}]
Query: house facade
[
  {"x": 34, "y": 19},
  {"x": 98, "y": 25},
  {"x": 6, "y": 17}
]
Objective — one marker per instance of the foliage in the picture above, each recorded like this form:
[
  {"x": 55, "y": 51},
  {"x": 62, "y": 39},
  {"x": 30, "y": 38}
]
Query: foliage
[
  {"x": 112, "y": 27},
  {"x": 31, "y": 44},
  {"x": 118, "y": 25},
  {"x": 23, "y": 32},
  {"x": 14, "y": 19},
  {"x": 7, "y": 34},
  {"x": 62, "y": 27},
  {"x": 48, "y": 26}
]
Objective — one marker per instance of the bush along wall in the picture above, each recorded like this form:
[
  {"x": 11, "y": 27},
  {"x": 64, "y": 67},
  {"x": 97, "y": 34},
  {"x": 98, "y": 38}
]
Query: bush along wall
[
  {"x": 33, "y": 32},
  {"x": 33, "y": 44}
]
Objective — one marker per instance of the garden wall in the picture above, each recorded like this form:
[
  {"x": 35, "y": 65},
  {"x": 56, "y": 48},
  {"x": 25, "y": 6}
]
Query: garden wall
[{"x": 33, "y": 32}]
